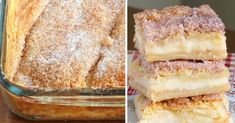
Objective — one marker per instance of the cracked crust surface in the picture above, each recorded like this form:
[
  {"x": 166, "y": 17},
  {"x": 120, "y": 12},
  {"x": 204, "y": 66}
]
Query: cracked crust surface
[
  {"x": 110, "y": 71},
  {"x": 65, "y": 42}
]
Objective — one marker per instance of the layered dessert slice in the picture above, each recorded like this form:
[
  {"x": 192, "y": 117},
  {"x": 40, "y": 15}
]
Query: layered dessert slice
[
  {"x": 180, "y": 32},
  {"x": 181, "y": 78},
  {"x": 198, "y": 109}
]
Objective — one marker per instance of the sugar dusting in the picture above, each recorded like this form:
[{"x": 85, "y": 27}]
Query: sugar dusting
[
  {"x": 110, "y": 70},
  {"x": 71, "y": 49},
  {"x": 64, "y": 43}
]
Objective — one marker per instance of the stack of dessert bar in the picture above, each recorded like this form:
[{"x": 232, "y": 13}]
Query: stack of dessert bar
[{"x": 180, "y": 73}]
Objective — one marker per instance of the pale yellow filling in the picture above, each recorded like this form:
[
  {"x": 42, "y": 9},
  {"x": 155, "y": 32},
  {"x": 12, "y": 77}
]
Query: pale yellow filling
[
  {"x": 193, "y": 42},
  {"x": 177, "y": 85}
]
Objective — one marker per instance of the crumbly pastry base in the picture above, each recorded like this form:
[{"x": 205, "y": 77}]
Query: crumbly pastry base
[
  {"x": 194, "y": 45},
  {"x": 185, "y": 110},
  {"x": 177, "y": 84},
  {"x": 30, "y": 109}
]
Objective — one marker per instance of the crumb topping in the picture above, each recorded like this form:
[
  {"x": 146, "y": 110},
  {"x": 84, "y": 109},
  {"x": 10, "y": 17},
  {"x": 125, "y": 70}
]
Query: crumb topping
[
  {"x": 178, "y": 103},
  {"x": 159, "y": 24}
]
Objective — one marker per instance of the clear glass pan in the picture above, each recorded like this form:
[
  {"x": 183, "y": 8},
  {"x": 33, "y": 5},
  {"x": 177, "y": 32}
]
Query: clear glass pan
[{"x": 67, "y": 104}]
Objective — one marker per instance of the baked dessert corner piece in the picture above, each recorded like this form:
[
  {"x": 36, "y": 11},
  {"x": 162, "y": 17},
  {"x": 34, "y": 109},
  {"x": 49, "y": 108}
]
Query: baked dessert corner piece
[
  {"x": 181, "y": 78},
  {"x": 21, "y": 15},
  {"x": 198, "y": 109},
  {"x": 180, "y": 32}
]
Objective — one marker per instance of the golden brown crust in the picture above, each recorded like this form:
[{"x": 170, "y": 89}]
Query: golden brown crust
[
  {"x": 21, "y": 15},
  {"x": 159, "y": 24},
  {"x": 65, "y": 42},
  {"x": 178, "y": 103}
]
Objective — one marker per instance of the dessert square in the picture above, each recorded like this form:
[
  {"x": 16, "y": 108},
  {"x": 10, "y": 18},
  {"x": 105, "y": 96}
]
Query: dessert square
[
  {"x": 181, "y": 78},
  {"x": 180, "y": 32},
  {"x": 198, "y": 109}
]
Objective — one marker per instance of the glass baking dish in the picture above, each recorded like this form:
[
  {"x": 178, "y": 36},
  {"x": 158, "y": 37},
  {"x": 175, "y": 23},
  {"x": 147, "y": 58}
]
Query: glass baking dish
[{"x": 66, "y": 104}]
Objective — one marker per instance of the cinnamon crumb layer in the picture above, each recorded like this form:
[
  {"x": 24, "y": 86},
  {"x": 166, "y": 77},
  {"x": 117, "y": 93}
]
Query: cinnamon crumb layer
[{"x": 159, "y": 24}]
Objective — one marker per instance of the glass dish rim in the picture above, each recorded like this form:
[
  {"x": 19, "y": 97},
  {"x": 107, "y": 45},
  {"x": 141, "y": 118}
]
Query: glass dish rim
[{"x": 21, "y": 91}]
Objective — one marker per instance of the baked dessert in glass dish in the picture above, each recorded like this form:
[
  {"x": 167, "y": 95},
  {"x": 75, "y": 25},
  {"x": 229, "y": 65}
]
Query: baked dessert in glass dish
[{"x": 64, "y": 57}]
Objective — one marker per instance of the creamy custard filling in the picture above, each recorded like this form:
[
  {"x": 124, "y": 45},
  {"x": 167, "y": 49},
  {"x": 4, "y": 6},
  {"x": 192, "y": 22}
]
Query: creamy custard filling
[
  {"x": 171, "y": 82},
  {"x": 180, "y": 84},
  {"x": 175, "y": 83},
  {"x": 182, "y": 44},
  {"x": 197, "y": 42}
]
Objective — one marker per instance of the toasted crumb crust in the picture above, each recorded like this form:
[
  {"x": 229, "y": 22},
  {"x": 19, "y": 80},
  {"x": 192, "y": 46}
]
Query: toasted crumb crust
[
  {"x": 159, "y": 24},
  {"x": 179, "y": 103},
  {"x": 182, "y": 65}
]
